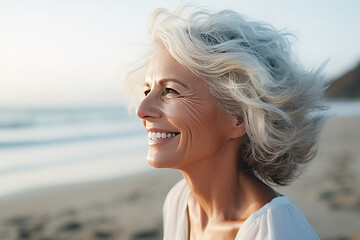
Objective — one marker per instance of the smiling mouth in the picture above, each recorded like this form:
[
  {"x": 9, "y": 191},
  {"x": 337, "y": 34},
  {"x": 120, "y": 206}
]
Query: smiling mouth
[{"x": 161, "y": 135}]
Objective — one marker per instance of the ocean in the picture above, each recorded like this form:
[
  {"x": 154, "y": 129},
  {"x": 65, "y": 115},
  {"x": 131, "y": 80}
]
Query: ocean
[
  {"x": 55, "y": 146},
  {"x": 46, "y": 147}
]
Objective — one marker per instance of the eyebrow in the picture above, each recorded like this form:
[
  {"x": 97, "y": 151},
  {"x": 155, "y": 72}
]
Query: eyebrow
[{"x": 165, "y": 80}]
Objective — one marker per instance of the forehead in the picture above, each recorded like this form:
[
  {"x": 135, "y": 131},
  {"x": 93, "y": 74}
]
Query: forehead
[{"x": 163, "y": 66}]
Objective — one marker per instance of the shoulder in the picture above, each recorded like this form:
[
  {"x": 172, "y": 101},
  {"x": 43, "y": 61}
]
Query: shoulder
[
  {"x": 279, "y": 219},
  {"x": 174, "y": 211},
  {"x": 176, "y": 199},
  {"x": 177, "y": 192}
]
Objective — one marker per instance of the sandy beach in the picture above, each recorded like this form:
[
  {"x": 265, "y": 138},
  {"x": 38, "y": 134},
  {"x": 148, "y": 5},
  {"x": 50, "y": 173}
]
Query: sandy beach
[{"x": 328, "y": 193}]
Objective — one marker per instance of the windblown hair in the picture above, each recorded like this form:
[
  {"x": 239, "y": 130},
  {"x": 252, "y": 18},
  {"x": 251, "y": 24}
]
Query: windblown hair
[{"x": 252, "y": 73}]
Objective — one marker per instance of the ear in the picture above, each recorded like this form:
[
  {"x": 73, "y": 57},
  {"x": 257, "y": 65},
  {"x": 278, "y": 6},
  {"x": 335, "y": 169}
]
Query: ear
[{"x": 239, "y": 128}]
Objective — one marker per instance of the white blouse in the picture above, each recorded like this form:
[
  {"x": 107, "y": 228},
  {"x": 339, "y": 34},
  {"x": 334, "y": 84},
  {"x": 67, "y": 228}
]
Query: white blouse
[{"x": 278, "y": 219}]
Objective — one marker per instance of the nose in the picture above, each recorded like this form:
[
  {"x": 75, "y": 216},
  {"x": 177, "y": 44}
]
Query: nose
[{"x": 149, "y": 108}]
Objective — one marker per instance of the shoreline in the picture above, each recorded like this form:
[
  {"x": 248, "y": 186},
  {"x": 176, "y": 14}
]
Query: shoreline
[{"x": 130, "y": 207}]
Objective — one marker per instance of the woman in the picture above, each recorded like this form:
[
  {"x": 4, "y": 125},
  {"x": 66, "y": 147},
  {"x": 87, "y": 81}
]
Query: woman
[{"x": 226, "y": 104}]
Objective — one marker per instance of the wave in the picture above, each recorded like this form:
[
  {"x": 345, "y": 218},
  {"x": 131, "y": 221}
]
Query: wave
[
  {"x": 71, "y": 139},
  {"x": 29, "y": 127},
  {"x": 30, "y": 118}
]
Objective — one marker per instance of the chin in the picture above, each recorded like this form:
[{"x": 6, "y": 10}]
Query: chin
[
  {"x": 154, "y": 164},
  {"x": 157, "y": 164},
  {"x": 165, "y": 163}
]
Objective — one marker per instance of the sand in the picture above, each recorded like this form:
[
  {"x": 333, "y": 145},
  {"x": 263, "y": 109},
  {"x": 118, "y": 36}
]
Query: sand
[{"x": 328, "y": 193}]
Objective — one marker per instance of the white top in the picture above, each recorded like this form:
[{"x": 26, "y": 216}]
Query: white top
[{"x": 278, "y": 219}]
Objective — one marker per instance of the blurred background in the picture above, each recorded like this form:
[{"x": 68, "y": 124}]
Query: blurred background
[{"x": 63, "y": 115}]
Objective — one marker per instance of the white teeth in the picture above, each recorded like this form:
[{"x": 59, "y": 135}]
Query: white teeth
[{"x": 160, "y": 135}]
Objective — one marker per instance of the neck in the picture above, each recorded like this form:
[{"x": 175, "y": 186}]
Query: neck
[{"x": 221, "y": 192}]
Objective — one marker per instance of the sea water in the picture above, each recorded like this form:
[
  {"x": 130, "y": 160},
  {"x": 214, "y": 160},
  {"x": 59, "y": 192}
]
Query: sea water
[{"x": 47, "y": 147}]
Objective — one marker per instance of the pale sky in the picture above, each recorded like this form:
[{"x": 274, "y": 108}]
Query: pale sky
[{"x": 75, "y": 52}]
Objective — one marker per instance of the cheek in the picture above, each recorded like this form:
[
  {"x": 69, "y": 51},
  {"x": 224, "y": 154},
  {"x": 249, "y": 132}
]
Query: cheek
[
  {"x": 198, "y": 120},
  {"x": 186, "y": 114}
]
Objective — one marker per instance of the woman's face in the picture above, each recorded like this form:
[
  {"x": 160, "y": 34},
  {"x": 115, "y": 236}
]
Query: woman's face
[{"x": 180, "y": 114}]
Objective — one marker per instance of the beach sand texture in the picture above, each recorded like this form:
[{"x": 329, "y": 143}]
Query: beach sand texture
[{"x": 328, "y": 193}]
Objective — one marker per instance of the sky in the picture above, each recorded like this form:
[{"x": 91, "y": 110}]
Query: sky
[{"x": 76, "y": 52}]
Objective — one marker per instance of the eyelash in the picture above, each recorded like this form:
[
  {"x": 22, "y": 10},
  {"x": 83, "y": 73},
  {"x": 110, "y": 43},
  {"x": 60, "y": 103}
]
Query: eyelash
[
  {"x": 166, "y": 91},
  {"x": 170, "y": 90}
]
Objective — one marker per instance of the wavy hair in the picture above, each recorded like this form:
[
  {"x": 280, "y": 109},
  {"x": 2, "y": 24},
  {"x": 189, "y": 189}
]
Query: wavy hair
[{"x": 250, "y": 70}]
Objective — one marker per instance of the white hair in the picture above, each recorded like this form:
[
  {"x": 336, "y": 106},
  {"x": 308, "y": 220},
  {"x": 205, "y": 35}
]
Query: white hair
[{"x": 252, "y": 73}]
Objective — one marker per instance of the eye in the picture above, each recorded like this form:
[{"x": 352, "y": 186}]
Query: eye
[
  {"x": 170, "y": 91},
  {"x": 146, "y": 92}
]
